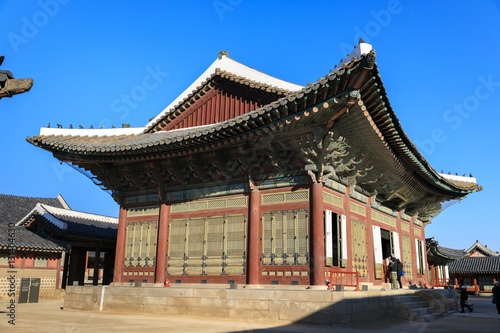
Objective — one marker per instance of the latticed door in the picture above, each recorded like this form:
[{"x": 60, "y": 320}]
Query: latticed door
[
  {"x": 195, "y": 246},
  {"x": 235, "y": 246},
  {"x": 359, "y": 253},
  {"x": 177, "y": 247},
  {"x": 140, "y": 244},
  {"x": 285, "y": 238},
  {"x": 407, "y": 258},
  {"x": 214, "y": 245}
]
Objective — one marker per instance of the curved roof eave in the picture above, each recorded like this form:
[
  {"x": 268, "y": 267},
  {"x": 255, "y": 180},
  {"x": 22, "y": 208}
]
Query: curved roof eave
[{"x": 413, "y": 155}]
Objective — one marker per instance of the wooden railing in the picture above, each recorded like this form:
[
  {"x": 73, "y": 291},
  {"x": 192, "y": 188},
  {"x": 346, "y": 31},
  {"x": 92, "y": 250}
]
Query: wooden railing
[
  {"x": 348, "y": 279},
  {"x": 440, "y": 282}
]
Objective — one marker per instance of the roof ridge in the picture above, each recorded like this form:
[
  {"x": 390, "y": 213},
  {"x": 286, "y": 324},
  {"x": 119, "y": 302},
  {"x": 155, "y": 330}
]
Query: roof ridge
[
  {"x": 482, "y": 248},
  {"x": 22, "y": 196},
  {"x": 76, "y": 213},
  {"x": 40, "y": 209}
]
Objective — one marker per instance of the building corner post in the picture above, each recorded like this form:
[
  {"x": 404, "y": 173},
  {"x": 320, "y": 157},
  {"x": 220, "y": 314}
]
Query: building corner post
[
  {"x": 120, "y": 246},
  {"x": 253, "y": 237},
  {"x": 162, "y": 243},
  {"x": 317, "y": 227}
]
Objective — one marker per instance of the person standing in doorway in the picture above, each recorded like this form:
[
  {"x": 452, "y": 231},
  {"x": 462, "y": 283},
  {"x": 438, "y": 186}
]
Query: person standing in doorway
[
  {"x": 400, "y": 273},
  {"x": 394, "y": 271}
]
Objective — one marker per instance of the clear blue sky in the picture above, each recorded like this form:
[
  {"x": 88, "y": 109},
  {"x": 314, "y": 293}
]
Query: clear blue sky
[{"x": 438, "y": 61}]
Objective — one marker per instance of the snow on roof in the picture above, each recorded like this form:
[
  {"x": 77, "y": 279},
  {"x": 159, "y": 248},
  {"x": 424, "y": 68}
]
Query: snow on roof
[
  {"x": 50, "y": 213},
  {"x": 459, "y": 178},
  {"x": 91, "y": 132}
]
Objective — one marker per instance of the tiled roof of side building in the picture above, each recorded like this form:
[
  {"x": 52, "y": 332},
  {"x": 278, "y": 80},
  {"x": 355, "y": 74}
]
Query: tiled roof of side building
[
  {"x": 25, "y": 239},
  {"x": 482, "y": 248},
  {"x": 483, "y": 265},
  {"x": 451, "y": 253},
  {"x": 13, "y": 207},
  {"x": 72, "y": 222},
  {"x": 439, "y": 255}
]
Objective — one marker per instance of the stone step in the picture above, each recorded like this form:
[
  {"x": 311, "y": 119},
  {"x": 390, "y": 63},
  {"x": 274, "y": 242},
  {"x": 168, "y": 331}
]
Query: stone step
[
  {"x": 407, "y": 299},
  {"x": 414, "y": 305},
  {"x": 429, "y": 317},
  {"x": 419, "y": 311}
]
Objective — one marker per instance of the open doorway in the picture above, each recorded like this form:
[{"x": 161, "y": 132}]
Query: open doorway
[{"x": 387, "y": 243}]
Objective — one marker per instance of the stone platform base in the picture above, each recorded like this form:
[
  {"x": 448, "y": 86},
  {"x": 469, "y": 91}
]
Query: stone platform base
[{"x": 288, "y": 305}]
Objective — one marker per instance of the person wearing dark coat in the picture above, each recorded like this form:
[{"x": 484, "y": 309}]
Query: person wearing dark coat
[
  {"x": 496, "y": 294},
  {"x": 400, "y": 272},
  {"x": 464, "y": 296},
  {"x": 395, "y": 272}
]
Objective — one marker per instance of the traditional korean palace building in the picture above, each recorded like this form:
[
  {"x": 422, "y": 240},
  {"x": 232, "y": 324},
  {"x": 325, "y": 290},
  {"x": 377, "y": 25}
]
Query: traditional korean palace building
[{"x": 251, "y": 179}]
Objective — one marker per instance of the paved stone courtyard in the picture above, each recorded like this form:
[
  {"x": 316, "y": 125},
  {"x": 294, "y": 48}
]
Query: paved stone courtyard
[{"x": 48, "y": 316}]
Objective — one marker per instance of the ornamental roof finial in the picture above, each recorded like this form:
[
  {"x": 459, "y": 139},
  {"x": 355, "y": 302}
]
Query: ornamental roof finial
[{"x": 223, "y": 53}]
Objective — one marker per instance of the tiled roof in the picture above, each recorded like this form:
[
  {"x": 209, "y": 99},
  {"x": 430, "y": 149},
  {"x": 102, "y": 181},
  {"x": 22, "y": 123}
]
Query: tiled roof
[
  {"x": 191, "y": 137},
  {"x": 391, "y": 131},
  {"x": 482, "y": 265},
  {"x": 451, "y": 253},
  {"x": 72, "y": 222},
  {"x": 25, "y": 239},
  {"x": 480, "y": 247},
  {"x": 13, "y": 208},
  {"x": 439, "y": 255}
]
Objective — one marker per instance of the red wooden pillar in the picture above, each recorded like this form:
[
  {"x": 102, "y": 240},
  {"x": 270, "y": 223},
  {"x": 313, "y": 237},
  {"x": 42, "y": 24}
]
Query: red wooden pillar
[
  {"x": 253, "y": 237},
  {"x": 432, "y": 275},
  {"x": 120, "y": 246},
  {"x": 317, "y": 227},
  {"x": 58, "y": 271},
  {"x": 162, "y": 244},
  {"x": 476, "y": 286}
]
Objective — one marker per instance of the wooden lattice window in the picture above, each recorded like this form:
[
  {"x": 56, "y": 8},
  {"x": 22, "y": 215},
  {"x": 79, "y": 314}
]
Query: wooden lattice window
[
  {"x": 285, "y": 238},
  {"x": 407, "y": 258},
  {"x": 140, "y": 245},
  {"x": 213, "y": 245},
  {"x": 485, "y": 282},
  {"x": 359, "y": 252}
]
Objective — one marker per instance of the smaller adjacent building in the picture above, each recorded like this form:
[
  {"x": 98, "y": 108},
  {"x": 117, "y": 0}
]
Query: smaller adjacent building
[
  {"x": 29, "y": 256},
  {"x": 44, "y": 238},
  {"x": 478, "y": 266},
  {"x": 479, "y": 270}
]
